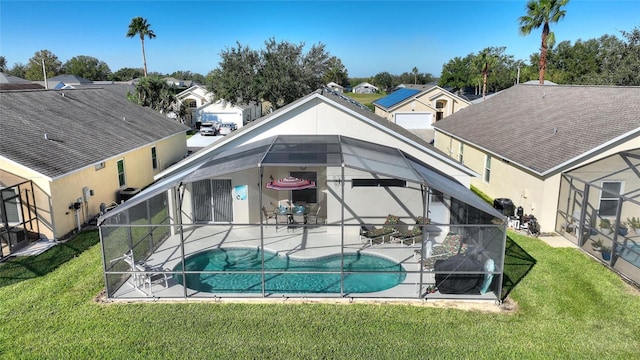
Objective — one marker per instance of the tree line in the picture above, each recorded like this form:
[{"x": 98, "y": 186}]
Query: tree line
[
  {"x": 86, "y": 67},
  {"x": 282, "y": 72},
  {"x": 607, "y": 60}
]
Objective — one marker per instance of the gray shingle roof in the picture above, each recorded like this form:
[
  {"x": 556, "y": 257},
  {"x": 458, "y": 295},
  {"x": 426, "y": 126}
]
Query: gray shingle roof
[
  {"x": 9, "y": 82},
  {"x": 82, "y": 127},
  {"x": 543, "y": 127},
  {"x": 69, "y": 79}
]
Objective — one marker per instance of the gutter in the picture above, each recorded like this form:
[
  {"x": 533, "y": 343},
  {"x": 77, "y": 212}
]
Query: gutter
[{"x": 558, "y": 168}]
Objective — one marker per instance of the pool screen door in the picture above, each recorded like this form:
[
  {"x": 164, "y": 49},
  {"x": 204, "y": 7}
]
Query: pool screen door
[{"x": 212, "y": 201}]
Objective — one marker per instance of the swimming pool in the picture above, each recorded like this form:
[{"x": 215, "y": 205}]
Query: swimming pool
[{"x": 368, "y": 273}]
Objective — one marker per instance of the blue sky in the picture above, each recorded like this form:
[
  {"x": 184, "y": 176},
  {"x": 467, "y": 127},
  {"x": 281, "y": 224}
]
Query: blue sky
[{"x": 368, "y": 36}]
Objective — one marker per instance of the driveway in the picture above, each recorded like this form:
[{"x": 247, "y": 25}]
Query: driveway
[{"x": 197, "y": 141}]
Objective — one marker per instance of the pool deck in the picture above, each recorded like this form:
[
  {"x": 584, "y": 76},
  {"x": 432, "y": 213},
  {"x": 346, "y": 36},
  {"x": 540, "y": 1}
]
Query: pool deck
[{"x": 301, "y": 242}]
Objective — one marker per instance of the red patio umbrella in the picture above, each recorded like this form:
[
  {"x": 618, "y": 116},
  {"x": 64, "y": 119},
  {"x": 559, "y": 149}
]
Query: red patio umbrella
[{"x": 291, "y": 183}]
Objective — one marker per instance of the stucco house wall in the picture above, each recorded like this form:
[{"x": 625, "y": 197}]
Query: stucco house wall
[
  {"x": 72, "y": 141},
  {"x": 537, "y": 195},
  {"x": 55, "y": 195}
]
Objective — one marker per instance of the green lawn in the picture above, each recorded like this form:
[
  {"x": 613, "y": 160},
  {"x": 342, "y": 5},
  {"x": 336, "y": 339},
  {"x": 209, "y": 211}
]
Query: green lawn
[
  {"x": 366, "y": 99},
  {"x": 569, "y": 307}
]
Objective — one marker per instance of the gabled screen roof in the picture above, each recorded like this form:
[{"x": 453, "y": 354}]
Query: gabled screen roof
[{"x": 316, "y": 150}]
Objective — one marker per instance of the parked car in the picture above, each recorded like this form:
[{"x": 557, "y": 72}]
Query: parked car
[
  {"x": 210, "y": 128},
  {"x": 227, "y": 128}
]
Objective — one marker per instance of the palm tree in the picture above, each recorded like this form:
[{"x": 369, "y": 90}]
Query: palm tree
[
  {"x": 483, "y": 62},
  {"x": 541, "y": 13},
  {"x": 139, "y": 26},
  {"x": 415, "y": 75}
]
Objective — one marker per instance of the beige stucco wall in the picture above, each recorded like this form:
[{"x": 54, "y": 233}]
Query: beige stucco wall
[
  {"x": 537, "y": 195},
  {"x": 54, "y": 196}
]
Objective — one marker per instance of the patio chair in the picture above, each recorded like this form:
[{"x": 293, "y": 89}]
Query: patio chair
[
  {"x": 282, "y": 220},
  {"x": 298, "y": 218},
  {"x": 268, "y": 216},
  {"x": 144, "y": 274},
  {"x": 314, "y": 217}
]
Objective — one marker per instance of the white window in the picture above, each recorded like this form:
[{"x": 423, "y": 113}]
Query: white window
[
  {"x": 461, "y": 153},
  {"x": 487, "y": 168},
  {"x": 609, "y": 198},
  {"x": 121, "y": 177}
]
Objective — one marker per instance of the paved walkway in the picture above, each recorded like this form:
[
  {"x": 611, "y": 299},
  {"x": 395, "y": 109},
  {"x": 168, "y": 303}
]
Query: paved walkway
[{"x": 557, "y": 241}]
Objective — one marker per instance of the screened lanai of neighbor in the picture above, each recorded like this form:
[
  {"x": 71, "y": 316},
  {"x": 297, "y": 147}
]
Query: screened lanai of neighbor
[
  {"x": 599, "y": 210},
  {"x": 306, "y": 216}
]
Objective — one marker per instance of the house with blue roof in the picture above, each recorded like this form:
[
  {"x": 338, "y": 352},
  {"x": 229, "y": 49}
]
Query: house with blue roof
[{"x": 418, "y": 108}]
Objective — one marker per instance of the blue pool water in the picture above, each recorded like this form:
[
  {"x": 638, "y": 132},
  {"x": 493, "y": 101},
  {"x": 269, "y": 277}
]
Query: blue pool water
[{"x": 246, "y": 265}]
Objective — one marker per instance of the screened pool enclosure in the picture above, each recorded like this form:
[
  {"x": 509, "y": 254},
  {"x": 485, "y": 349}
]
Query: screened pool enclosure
[
  {"x": 599, "y": 210},
  {"x": 370, "y": 222}
]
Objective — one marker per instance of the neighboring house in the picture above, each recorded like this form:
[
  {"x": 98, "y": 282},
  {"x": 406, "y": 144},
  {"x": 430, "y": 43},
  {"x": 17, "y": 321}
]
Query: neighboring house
[
  {"x": 200, "y": 101},
  {"x": 239, "y": 114},
  {"x": 9, "y": 82},
  {"x": 540, "y": 146},
  {"x": 75, "y": 150},
  {"x": 414, "y": 86},
  {"x": 361, "y": 169},
  {"x": 335, "y": 87},
  {"x": 418, "y": 107},
  {"x": 178, "y": 83},
  {"x": 365, "y": 88},
  {"x": 193, "y": 98}
]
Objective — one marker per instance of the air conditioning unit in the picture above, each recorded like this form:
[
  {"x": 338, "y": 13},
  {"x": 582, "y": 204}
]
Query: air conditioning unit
[{"x": 127, "y": 193}]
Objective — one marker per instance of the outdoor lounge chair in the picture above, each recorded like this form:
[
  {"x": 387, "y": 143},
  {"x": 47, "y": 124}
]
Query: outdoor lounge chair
[
  {"x": 378, "y": 235},
  {"x": 452, "y": 245},
  {"x": 413, "y": 234},
  {"x": 144, "y": 274}
]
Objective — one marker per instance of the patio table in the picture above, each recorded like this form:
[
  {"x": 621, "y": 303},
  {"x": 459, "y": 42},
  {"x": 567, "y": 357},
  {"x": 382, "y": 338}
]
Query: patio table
[{"x": 289, "y": 211}]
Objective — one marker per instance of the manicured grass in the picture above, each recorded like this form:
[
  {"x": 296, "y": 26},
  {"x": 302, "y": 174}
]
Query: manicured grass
[
  {"x": 28, "y": 267},
  {"x": 366, "y": 99},
  {"x": 570, "y": 307}
]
